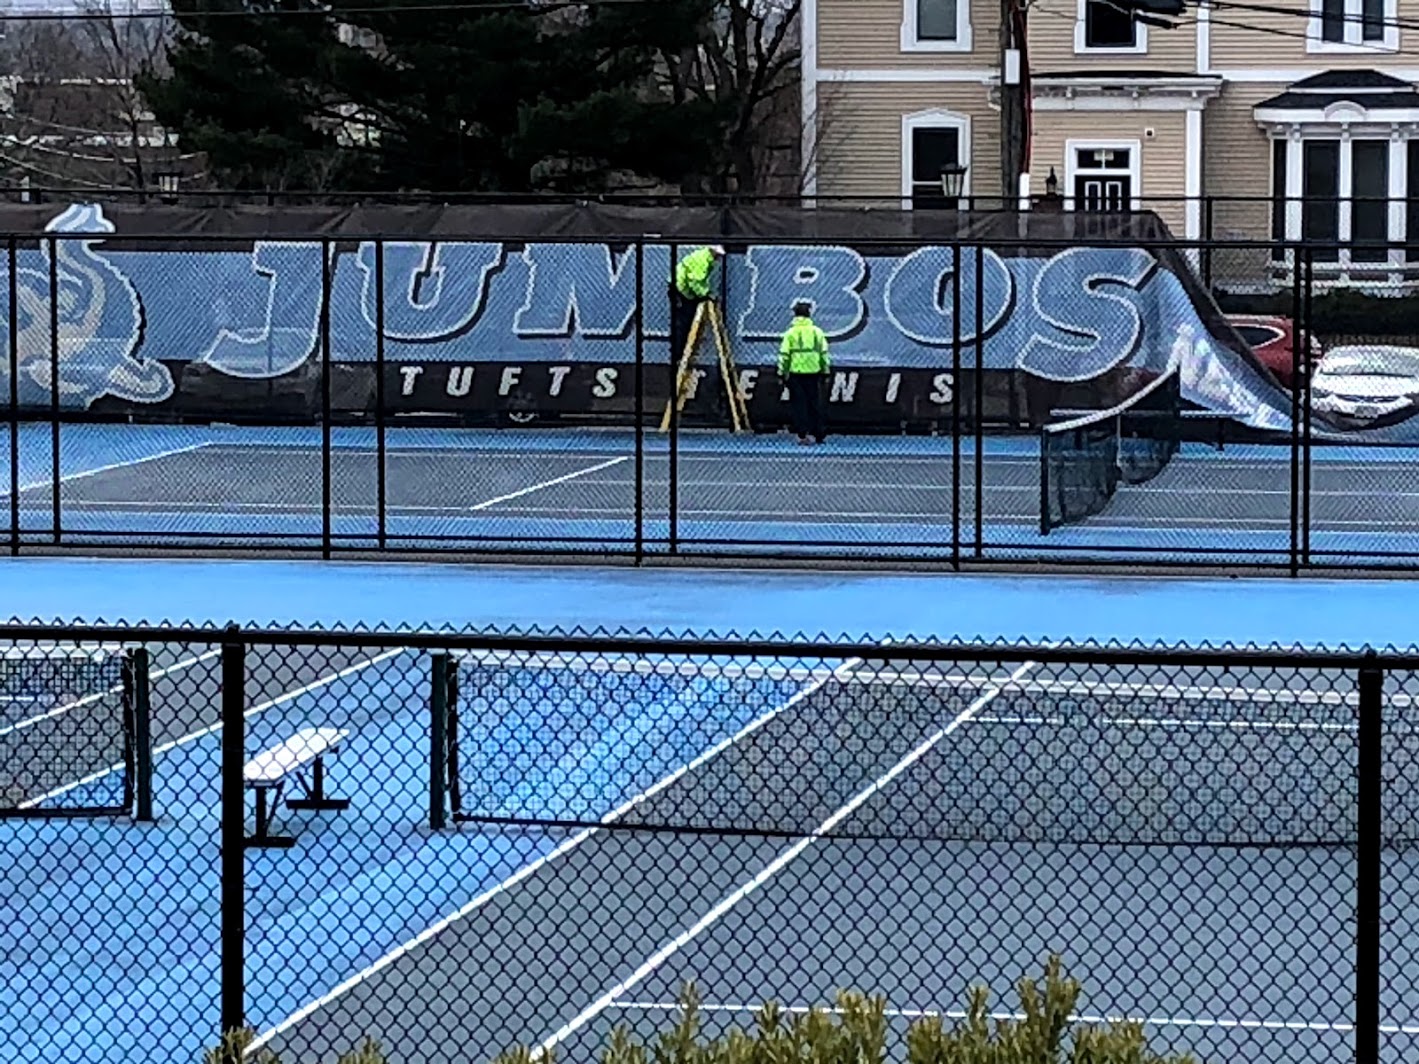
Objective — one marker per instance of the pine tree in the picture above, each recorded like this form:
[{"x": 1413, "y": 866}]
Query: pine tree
[{"x": 440, "y": 95}]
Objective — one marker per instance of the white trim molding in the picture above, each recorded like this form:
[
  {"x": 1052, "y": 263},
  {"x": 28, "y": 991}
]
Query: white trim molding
[
  {"x": 911, "y": 39},
  {"x": 1352, "y": 28},
  {"x": 808, "y": 112},
  {"x": 1340, "y": 119},
  {"x": 1081, "y": 28},
  {"x": 912, "y": 75},
  {"x": 1134, "y": 147},
  {"x": 1086, "y": 93},
  {"x": 1192, "y": 176},
  {"x": 935, "y": 118},
  {"x": 1204, "y": 37}
]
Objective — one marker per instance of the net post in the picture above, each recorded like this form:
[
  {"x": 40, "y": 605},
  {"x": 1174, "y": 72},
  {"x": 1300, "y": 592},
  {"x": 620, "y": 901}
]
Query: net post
[
  {"x": 1369, "y": 870},
  {"x": 1044, "y": 482},
  {"x": 233, "y": 850},
  {"x": 137, "y": 675},
  {"x": 439, "y": 666}
]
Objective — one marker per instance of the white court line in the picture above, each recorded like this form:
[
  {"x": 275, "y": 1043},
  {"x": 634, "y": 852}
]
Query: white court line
[
  {"x": 775, "y": 866},
  {"x": 487, "y": 503},
  {"x": 83, "y": 473},
  {"x": 1165, "y": 722},
  {"x": 204, "y": 732},
  {"x": 530, "y": 869},
  {"x": 641, "y": 665},
  {"x": 89, "y": 699},
  {"x": 960, "y": 1014}
]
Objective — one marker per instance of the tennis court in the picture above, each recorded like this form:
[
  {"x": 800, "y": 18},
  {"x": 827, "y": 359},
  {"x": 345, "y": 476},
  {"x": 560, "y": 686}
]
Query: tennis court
[
  {"x": 588, "y": 492},
  {"x": 768, "y": 828}
]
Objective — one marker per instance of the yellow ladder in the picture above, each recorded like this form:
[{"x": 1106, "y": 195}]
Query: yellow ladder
[{"x": 684, "y": 378}]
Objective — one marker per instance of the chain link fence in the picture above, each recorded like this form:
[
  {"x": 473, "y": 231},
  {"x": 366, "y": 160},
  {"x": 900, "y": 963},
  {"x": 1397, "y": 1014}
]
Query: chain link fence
[{"x": 457, "y": 844}]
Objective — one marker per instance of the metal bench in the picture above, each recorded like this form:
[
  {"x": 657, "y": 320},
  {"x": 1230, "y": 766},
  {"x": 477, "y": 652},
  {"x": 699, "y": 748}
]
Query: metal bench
[{"x": 268, "y": 772}]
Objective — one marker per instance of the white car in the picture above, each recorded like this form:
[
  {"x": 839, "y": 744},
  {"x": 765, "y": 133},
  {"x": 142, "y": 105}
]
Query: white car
[{"x": 1363, "y": 383}]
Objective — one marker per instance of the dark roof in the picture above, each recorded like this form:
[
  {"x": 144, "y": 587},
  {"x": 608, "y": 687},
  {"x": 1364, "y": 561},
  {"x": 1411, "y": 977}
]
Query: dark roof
[
  {"x": 1351, "y": 79},
  {"x": 1370, "y": 101}
]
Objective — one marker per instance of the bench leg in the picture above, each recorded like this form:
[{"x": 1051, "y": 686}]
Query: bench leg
[
  {"x": 265, "y": 809},
  {"x": 315, "y": 794}
]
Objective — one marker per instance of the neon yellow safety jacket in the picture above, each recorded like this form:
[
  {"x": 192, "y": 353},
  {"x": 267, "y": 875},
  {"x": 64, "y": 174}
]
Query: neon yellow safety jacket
[
  {"x": 804, "y": 349},
  {"x": 693, "y": 273}
]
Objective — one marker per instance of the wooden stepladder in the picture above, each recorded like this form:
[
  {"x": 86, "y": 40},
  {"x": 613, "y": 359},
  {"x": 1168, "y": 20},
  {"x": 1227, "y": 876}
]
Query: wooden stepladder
[{"x": 708, "y": 312}]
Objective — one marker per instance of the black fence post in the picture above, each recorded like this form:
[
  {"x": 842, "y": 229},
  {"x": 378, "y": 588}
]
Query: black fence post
[
  {"x": 381, "y": 474},
  {"x": 14, "y": 322},
  {"x": 54, "y": 383},
  {"x": 1295, "y": 253},
  {"x": 439, "y": 666},
  {"x": 956, "y": 405},
  {"x": 139, "y": 678},
  {"x": 978, "y": 403},
  {"x": 640, "y": 401},
  {"x": 1305, "y": 388},
  {"x": 1369, "y": 869},
  {"x": 326, "y": 438},
  {"x": 233, "y": 925},
  {"x": 1208, "y": 218},
  {"x": 673, "y": 487}
]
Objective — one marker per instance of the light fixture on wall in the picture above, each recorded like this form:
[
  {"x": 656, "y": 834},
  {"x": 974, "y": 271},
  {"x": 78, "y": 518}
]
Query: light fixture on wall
[
  {"x": 1052, "y": 185},
  {"x": 953, "y": 180}
]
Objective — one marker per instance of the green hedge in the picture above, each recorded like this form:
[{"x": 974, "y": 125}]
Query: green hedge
[
  {"x": 1342, "y": 312},
  {"x": 855, "y": 1032}
]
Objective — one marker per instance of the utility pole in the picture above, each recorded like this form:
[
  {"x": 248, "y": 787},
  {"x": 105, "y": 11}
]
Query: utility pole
[{"x": 1012, "y": 100}]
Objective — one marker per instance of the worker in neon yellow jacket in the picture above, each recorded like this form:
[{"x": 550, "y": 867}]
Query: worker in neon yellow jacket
[
  {"x": 691, "y": 288},
  {"x": 804, "y": 363}
]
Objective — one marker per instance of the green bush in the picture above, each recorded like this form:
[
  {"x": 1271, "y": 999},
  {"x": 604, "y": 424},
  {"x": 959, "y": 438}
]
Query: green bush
[
  {"x": 855, "y": 1032},
  {"x": 233, "y": 1050}
]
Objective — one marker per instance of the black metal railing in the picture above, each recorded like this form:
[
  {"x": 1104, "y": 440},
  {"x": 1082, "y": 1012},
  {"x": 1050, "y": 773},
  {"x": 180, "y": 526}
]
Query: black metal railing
[
  {"x": 471, "y": 841},
  {"x": 353, "y": 396}
]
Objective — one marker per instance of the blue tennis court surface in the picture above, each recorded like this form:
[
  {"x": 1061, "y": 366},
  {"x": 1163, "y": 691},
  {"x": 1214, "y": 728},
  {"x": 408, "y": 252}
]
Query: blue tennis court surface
[
  {"x": 577, "y": 490},
  {"x": 453, "y": 945}
]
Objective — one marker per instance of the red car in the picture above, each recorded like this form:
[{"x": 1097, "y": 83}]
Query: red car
[{"x": 1272, "y": 340}]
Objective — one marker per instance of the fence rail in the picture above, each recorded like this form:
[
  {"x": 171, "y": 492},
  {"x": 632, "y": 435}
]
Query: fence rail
[{"x": 468, "y": 841}]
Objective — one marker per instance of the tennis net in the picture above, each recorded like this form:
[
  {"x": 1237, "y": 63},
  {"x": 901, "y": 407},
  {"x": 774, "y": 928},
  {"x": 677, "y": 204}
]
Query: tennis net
[
  {"x": 67, "y": 725},
  {"x": 1057, "y": 756},
  {"x": 1084, "y": 459}
]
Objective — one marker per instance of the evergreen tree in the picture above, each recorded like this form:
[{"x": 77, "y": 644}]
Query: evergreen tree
[{"x": 441, "y": 95}]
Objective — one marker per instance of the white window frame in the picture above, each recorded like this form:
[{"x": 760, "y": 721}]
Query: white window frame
[
  {"x": 1354, "y": 43},
  {"x": 1081, "y": 43},
  {"x": 912, "y": 43},
  {"x": 1134, "y": 147},
  {"x": 935, "y": 118}
]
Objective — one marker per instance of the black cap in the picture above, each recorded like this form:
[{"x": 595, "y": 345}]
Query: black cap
[{"x": 803, "y": 308}]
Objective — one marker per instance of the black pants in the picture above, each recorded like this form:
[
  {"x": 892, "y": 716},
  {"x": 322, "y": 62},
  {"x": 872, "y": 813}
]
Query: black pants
[
  {"x": 682, "y": 318},
  {"x": 806, "y": 404}
]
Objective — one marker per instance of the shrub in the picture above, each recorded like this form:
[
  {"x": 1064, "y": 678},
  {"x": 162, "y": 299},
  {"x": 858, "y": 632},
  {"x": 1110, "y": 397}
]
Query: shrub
[{"x": 1042, "y": 1031}]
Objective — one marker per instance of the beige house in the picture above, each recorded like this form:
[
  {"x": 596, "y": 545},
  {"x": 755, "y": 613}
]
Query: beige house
[{"x": 1212, "y": 123}]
